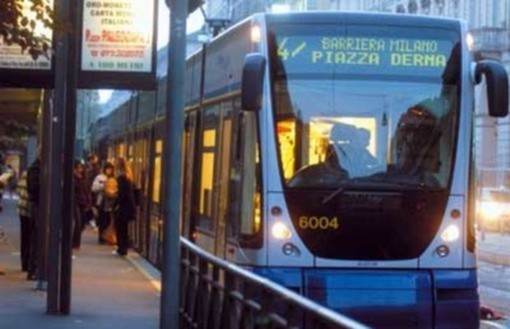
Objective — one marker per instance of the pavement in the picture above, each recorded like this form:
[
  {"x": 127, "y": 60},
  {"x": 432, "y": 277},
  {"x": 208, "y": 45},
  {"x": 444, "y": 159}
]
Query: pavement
[{"x": 108, "y": 291}]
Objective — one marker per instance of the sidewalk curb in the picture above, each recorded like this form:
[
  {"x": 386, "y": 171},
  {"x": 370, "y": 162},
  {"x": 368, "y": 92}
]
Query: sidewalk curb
[{"x": 147, "y": 269}]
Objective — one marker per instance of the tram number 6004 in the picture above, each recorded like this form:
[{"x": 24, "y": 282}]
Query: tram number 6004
[{"x": 318, "y": 223}]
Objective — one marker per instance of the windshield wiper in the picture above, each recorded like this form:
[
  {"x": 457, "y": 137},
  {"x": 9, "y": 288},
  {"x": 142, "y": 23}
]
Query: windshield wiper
[
  {"x": 401, "y": 185},
  {"x": 338, "y": 191}
]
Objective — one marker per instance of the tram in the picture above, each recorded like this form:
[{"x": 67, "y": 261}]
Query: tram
[{"x": 332, "y": 153}]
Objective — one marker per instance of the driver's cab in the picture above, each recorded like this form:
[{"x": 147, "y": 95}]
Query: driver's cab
[
  {"x": 326, "y": 150},
  {"x": 332, "y": 149}
]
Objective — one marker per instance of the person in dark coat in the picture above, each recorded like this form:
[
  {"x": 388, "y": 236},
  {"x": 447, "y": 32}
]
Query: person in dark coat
[
  {"x": 82, "y": 202},
  {"x": 33, "y": 188},
  {"x": 126, "y": 208},
  {"x": 25, "y": 217},
  {"x": 92, "y": 169}
]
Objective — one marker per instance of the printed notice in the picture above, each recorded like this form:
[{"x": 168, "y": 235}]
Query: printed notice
[{"x": 117, "y": 35}]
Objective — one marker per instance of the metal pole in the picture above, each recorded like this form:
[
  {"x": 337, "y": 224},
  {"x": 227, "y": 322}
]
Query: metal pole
[
  {"x": 68, "y": 167},
  {"x": 42, "y": 283},
  {"x": 174, "y": 123},
  {"x": 60, "y": 189},
  {"x": 55, "y": 186}
]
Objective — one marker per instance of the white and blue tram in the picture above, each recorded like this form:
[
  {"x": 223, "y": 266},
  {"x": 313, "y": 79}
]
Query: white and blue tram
[{"x": 332, "y": 153}]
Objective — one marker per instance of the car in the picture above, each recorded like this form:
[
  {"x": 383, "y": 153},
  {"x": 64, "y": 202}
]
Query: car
[{"x": 493, "y": 210}]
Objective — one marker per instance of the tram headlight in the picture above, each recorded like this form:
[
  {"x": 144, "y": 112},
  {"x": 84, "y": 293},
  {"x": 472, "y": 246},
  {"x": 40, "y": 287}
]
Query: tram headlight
[
  {"x": 451, "y": 233},
  {"x": 280, "y": 231},
  {"x": 256, "y": 35},
  {"x": 470, "y": 41}
]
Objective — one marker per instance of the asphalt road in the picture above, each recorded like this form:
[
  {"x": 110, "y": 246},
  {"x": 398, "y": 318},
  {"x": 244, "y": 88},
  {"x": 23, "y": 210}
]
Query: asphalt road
[{"x": 494, "y": 287}]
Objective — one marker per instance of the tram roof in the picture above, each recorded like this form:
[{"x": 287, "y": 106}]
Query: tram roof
[{"x": 335, "y": 17}]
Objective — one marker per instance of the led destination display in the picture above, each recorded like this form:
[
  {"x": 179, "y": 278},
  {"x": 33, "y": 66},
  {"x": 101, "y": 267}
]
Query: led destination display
[{"x": 362, "y": 55}]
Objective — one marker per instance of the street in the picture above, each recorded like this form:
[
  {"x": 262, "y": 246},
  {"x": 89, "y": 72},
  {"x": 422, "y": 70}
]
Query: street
[{"x": 494, "y": 287}]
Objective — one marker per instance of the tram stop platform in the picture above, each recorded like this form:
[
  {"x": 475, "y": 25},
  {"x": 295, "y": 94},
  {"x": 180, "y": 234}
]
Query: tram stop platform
[{"x": 108, "y": 291}]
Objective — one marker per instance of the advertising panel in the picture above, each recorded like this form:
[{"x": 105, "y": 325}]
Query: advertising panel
[{"x": 118, "y": 44}]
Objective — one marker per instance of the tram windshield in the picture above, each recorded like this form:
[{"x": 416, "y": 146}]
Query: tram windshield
[{"x": 353, "y": 105}]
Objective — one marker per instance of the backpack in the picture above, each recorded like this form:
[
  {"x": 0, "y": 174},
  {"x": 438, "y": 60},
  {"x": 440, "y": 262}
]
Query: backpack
[{"x": 111, "y": 187}]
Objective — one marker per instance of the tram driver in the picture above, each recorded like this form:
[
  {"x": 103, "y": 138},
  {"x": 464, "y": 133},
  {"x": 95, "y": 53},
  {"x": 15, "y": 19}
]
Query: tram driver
[{"x": 416, "y": 145}]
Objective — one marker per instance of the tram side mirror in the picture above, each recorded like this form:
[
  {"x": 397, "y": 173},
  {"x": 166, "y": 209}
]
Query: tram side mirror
[
  {"x": 497, "y": 86},
  {"x": 252, "y": 82}
]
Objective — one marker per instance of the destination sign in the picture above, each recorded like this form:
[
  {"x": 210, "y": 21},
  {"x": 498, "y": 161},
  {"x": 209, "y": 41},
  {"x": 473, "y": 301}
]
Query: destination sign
[{"x": 362, "y": 55}]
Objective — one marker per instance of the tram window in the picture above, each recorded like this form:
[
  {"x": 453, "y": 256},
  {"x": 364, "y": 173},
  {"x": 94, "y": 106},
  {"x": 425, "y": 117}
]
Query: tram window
[
  {"x": 121, "y": 150},
  {"x": 245, "y": 200},
  {"x": 207, "y": 172},
  {"x": 156, "y": 187},
  {"x": 251, "y": 215},
  {"x": 111, "y": 153},
  {"x": 142, "y": 181},
  {"x": 287, "y": 142},
  {"x": 129, "y": 157},
  {"x": 224, "y": 167},
  {"x": 206, "y": 192},
  {"x": 137, "y": 164}
]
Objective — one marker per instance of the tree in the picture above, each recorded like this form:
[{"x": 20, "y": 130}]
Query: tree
[
  {"x": 21, "y": 26},
  {"x": 15, "y": 135}
]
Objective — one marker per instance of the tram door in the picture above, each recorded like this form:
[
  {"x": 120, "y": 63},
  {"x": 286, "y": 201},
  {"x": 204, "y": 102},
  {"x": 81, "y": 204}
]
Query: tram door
[
  {"x": 141, "y": 183},
  {"x": 244, "y": 202},
  {"x": 155, "y": 232},
  {"x": 188, "y": 165},
  {"x": 222, "y": 179}
]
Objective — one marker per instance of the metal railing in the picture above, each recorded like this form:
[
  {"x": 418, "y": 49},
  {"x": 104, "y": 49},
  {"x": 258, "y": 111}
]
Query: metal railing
[{"x": 216, "y": 294}]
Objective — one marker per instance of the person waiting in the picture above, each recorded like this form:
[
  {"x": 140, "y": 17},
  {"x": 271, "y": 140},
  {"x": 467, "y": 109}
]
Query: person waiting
[{"x": 105, "y": 189}]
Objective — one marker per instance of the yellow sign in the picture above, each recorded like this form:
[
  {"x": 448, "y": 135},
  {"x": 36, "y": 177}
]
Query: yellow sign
[{"x": 318, "y": 223}]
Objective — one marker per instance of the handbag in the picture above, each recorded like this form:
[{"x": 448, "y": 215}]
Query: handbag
[{"x": 109, "y": 235}]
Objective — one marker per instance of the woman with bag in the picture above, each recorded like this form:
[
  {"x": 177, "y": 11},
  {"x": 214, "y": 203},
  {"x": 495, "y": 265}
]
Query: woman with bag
[
  {"x": 104, "y": 187},
  {"x": 125, "y": 210}
]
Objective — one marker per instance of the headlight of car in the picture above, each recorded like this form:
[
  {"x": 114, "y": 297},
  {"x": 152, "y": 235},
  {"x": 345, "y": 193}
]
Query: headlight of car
[{"x": 491, "y": 210}]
